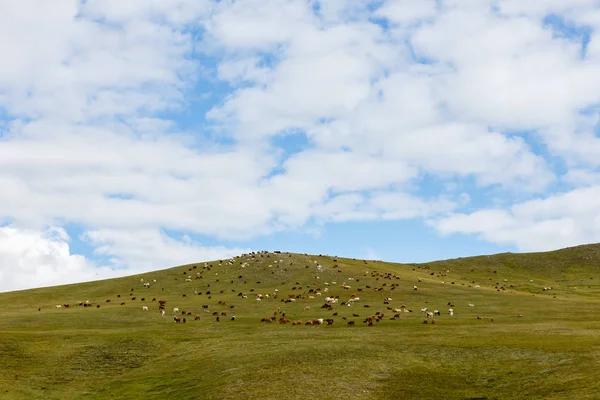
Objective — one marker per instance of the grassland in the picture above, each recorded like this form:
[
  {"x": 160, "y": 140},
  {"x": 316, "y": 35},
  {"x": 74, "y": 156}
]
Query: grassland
[{"x": 121, "y": 352}]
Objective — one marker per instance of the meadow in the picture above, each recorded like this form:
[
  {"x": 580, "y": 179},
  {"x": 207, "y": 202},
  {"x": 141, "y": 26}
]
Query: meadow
[{"x": 524, "y": 326}]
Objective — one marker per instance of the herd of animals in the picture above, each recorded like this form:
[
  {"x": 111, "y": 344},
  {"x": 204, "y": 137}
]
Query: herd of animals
[{"x": 340, "y": 298}]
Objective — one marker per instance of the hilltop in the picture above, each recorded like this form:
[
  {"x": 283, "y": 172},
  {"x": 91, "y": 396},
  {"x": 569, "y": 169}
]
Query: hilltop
[{"x": 522, "y": 325}]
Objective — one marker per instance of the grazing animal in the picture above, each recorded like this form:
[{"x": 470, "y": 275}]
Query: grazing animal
[{"x": 144, "y": 308}]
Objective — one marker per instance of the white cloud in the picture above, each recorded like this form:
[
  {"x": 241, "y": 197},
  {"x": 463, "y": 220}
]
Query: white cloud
[
  {"x": 36, "y": 259},
  {"x": 147, "y": 250},
  {"x": 452, "y": 92},
  {"x": 407, "y": 12},
  {"x": 557, "y": 221}
]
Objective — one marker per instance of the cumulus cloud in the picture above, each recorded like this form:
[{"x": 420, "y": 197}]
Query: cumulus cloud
[
  {"x": 31, "y": 258},
  {"x": 302, "y": 112},
  {"x": 536, "y": 225},
  {"x": 146, "y": 250}
]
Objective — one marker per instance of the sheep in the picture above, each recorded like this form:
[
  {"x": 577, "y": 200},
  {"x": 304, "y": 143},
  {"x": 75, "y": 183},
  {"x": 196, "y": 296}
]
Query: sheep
[
  {"x": 176, "y": 309},
  {"x": 451, "y": 312},
  {"x": 144, "y": 308}
]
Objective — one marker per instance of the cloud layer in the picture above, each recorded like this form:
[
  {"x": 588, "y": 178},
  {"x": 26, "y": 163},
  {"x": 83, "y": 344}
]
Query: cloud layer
[{"x": 234, "y": 120}]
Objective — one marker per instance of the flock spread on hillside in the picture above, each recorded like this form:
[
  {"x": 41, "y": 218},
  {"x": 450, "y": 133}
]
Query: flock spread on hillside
[{"x": 332, "y": 296}]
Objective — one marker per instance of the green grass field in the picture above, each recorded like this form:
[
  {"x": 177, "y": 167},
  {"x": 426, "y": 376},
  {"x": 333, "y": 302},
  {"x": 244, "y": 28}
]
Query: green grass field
[{"x": 122, "y": 352}]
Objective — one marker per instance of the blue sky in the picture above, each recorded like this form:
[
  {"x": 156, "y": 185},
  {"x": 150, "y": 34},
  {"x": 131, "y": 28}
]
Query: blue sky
[{"x": 141, "y": 137}]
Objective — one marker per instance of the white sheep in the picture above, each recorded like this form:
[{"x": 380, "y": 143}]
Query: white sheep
[
  {"x": 176, "y": 309},
  {"x": 144, "y": 308}
]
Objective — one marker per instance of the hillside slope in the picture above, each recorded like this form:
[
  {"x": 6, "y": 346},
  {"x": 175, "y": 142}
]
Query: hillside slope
[{"x": 115, "y": 349}]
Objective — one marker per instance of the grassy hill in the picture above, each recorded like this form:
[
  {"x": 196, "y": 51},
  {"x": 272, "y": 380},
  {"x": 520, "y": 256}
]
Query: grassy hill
[{"x": 111, "y": 350}]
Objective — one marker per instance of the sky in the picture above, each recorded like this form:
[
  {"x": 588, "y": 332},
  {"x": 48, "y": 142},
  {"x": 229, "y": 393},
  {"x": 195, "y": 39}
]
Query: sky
[{"x": 143, "y": 134}]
